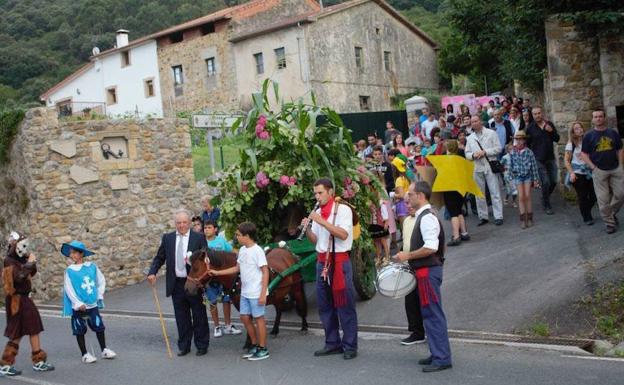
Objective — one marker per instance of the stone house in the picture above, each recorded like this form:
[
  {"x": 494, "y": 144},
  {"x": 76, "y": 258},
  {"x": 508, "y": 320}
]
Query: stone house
[
  {"x": 354, "y": 56},
  {"x": 583, "y": 73}
]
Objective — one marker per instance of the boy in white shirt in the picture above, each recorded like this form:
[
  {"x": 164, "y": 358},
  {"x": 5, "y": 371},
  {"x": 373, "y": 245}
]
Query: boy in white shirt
[{"x": 254, "y": 275}]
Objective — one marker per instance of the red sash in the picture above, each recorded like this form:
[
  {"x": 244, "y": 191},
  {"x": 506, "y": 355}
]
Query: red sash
[
  {"x": 338, "y": 284},
  {"x": 425, "y": 290}
]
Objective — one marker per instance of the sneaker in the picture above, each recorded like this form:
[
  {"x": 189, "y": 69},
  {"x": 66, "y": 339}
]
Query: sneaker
[
  {"x": 413, "y": 339},
  {"x": 498, "y": 222},
  {"x": 9, "y": 370},
  {"x": 464, "y": 237},
  {"x": 88, "y": 358},
  {"x": 43, "y": 366},
  {"x": 218, "y": 332},
  {"x": 483, "y": 222},
  {"x": 108, "y": 354},
  {"x": 454, "y": 242},
  {"x": 610, "y": 229},
  {"x": 260, "y": 354},
  {"x": 252, "y": 350},
  {"x": 232, "y": 330}
]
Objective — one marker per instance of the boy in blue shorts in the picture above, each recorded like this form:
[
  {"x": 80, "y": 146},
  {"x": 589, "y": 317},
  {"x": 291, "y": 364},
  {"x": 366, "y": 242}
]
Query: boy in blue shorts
[
  {"x": 254, "y": 275},
  {"x": 83, "y": 294},
  {"x": 215, "y": 289}
]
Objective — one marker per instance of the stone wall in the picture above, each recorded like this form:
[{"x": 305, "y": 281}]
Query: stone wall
[
  {"x": 583, "y": 73},
  {"x": 336, "y": 80},
  {"x": 58, "y": 187}
]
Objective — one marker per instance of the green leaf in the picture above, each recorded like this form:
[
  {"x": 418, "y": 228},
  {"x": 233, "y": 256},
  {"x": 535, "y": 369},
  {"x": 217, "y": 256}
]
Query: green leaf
[
  {"x": 276, "y": 91},
  {"x": 252, "y": 158},
  {"x": 323, "y": 157}
]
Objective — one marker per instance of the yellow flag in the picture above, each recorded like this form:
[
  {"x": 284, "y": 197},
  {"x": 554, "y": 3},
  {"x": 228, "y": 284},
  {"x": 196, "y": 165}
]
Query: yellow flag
[{"x": 454, "y": 173}]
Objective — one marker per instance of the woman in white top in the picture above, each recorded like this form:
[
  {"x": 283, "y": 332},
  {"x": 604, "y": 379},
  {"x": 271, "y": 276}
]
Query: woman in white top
[
  {"x": 515, "y": 118},
  {"x": 579, "y": 173}
]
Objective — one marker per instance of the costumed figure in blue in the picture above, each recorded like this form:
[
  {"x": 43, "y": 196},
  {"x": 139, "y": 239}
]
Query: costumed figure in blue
[{"x": 83, "y": 296}]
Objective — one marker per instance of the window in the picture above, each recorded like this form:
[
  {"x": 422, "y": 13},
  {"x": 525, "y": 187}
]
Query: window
[
  {"x": 280, "y": 58},
  {"x": 358, "y": 57},
  {"x": 111, "y": 96},
  {"x": 210, "y": 66},
  {"x": 149, "y": 88},
  {"x": 365, "y": 103},
  {"x": 125, "y": 59},
  {"x": 387, "y": 61},
  {"x": 377, "y": 31},
  {"x": 178, "y": 80},
  {"x": 176, "y": 37},
  {"x": 207, "y": 28},
  {"x": 259, "y": 63}
]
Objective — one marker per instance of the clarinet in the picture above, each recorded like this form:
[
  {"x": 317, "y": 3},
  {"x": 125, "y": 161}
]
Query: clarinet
[{"x": 305, "y": 228}]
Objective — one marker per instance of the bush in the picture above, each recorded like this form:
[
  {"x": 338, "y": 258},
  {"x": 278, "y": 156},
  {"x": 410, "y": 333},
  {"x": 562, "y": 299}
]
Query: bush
[{"x": 9, "y": 123}]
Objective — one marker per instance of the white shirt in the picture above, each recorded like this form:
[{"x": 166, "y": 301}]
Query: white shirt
[
  {"x": 384, "y": 210},
  {"x": 181, "y": 273},
  {"x": 344, "y": 220},
  {"x": 490, "y": 143},
  {"x": 69, "y": 289},
  {"x": 250, "y": 260},
  {"x": 429, "y": 228},
  {"x": 428, "y": 126}
]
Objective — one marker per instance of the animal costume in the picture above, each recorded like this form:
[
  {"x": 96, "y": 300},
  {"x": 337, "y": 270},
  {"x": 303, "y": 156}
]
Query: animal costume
[{"x": 23, "y": 318}]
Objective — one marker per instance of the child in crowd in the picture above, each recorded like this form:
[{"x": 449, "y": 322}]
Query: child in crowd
[
  {"x": 379, "y": 230},
  {"x": 361, "y": 147},
  {"x": 83, "y": 295},
  {"x": 524, "y": 172},
  {"x": 510, "y": 187},
  {"x": 254, "y": 275},
  {"x": 198, "y": 225},
  {"x": 215, "y": 289}
]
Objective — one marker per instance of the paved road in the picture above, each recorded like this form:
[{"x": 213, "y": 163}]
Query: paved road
[
  {"x": 142, "y": 360},
  {"x": 503, "y": 280}
]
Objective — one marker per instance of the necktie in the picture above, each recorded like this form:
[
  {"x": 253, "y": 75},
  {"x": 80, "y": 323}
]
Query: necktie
[{"x": 180, "y": 254}]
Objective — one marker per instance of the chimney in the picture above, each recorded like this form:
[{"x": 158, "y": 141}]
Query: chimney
[{"x": 122, "y": 38}]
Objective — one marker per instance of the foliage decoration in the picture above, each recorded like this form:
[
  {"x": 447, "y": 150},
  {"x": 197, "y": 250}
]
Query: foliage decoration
[
  {"x": 283, "y": 152},
  {"x": 9, "y": 123}
]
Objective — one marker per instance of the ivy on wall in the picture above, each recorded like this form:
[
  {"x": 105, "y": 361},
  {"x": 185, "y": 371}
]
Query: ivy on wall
[{"x": 9, "y": 123}]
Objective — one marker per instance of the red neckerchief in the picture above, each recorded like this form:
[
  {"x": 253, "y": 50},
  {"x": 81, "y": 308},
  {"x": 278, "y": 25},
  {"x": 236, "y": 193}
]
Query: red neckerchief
[{"x": 326, "y": 208}]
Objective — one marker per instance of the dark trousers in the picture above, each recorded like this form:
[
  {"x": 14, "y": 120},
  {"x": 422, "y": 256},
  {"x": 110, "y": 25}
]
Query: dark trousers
[
  {"x": 333, "y": 319},
  {"x": 586, "y": 196},
  {"x": 435, "y": 322},
  {"x": 191, "y": 318},
  {"x": 414, "y": 317},
  {"x": 547, "y": 171}
]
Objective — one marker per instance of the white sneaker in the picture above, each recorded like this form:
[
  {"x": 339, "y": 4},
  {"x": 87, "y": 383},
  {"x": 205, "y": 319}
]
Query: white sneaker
[
  {"x": 218, "y": 332},
  {"x": 231, "y": 329},
  {"x": 88, "y": 358},
  {"x": 108, "y": 354}
]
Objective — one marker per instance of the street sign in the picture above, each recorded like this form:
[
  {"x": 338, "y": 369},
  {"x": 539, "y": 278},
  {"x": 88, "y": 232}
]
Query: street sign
[{"x": 214, "y": 120}]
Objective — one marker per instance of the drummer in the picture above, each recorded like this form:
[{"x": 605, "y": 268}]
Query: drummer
[
  {"x": 426, "y": 257},
  {"x": 332, "y": 230},
  {"x": 412, "y": 303}
]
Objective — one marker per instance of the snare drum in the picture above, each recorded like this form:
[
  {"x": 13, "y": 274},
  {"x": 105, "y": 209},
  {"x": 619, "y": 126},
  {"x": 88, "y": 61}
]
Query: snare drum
[{"x": 395, "y": 280}]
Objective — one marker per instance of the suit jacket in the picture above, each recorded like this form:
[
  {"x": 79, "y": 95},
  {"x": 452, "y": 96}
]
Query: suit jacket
[{"x": 167, "y": 252}]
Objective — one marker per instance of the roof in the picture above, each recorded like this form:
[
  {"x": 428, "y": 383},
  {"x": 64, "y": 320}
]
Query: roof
[
  {"x": 313, "y": 16},
  {"x": 238, "y": 12},
  {"x": 68, "y": 79}
]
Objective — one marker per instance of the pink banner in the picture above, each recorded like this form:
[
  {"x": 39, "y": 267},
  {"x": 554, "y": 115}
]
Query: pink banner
[{"x": 469, "y": 100}]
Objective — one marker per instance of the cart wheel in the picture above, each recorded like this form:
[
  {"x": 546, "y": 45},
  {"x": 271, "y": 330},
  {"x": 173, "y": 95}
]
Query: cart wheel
[{"x": 364, "y": 273}]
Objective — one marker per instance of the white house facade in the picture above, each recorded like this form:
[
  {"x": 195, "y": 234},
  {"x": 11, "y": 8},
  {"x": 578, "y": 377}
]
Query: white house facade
[{"x": 123, "y": 81}]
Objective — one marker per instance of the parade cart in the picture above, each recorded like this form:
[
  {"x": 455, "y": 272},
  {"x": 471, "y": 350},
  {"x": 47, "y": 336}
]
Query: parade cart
[{"x": 282, "y": 152}]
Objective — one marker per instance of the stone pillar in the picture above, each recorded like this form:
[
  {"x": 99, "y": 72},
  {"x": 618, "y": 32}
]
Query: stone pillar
[{"x": 612, "y": 75}]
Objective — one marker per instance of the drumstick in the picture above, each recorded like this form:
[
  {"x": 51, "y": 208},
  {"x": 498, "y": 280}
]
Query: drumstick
[{"x": 162, "y": 321}]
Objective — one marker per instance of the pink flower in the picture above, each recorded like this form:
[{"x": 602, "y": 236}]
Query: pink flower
[
  {"x": 262, "y": 180},
  {"x": 361, "y": 169},
  {"x": 365, "y": 180},
  {"x": 347, "y": 181},
  {"x": 293, "y": 180},
  {"x": 284, "y": 180},
  {"x": 244, "y": 186},
  {"x": 264, "y": 135},
  {"x": 262, "y": 121},
  {"x": 348, "y": 194}
]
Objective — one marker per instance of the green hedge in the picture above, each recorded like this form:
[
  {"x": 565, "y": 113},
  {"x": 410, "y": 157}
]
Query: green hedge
[{"x": 9, "y": 123}]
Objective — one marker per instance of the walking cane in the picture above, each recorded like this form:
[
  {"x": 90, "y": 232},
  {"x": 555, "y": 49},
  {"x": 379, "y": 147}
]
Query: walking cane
[{"x": 162, "y": 321}]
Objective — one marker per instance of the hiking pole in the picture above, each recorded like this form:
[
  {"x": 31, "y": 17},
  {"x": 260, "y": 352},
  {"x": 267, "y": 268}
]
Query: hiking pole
[{"x": 162, "y": 321}]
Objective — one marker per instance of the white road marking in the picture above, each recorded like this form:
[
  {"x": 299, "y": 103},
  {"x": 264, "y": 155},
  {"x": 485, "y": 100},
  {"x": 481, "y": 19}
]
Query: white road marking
[
  {"x": 33, "y": 381},
  {"x": 615, "y": 359}
]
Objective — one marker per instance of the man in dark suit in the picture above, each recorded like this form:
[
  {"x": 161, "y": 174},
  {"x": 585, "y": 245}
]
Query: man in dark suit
[{"x": 190, "y": 311}]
